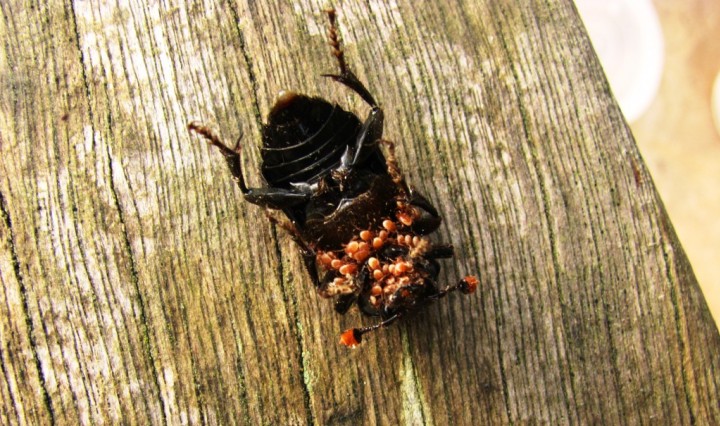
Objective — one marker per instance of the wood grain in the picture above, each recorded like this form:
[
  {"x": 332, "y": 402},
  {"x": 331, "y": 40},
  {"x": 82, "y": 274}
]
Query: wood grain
[{"x": 138, "y": 287}]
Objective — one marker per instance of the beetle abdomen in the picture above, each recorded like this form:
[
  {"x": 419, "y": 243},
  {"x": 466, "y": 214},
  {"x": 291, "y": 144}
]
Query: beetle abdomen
[{"x": 304, "y": 139}]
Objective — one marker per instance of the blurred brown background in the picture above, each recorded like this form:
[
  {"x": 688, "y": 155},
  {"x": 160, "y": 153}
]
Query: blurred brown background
[{"x": 675, "y": 129}]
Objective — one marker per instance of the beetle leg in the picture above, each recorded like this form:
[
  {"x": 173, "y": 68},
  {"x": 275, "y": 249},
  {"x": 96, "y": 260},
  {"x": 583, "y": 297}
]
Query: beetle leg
[
  {"x": 365, "y": 144},
  {"x": 370, "y": 133},
  {"x": 275, "y": 198},
  {"x": 344, "y": 302},
  {"x": 429, "y": 219},
  {"x": 440, "y": 251},
  {"x": 308, "y": 254},
  {"x": 309, "y": 261},
  {"x": 349, "y": 79},
  {"x": 418, "y": 200}
]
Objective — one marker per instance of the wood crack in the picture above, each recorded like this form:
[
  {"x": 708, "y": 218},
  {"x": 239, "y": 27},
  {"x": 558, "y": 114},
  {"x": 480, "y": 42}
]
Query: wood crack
[
  {"x": 134, "y": 276},
  {"x": 47, "y": 400},
  {"x": 291, "y": 303},
  {"x": 679, "y": 318}
]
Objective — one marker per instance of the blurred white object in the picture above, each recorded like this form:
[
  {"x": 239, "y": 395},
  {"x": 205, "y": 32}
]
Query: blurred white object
[
  {"x": 628, "y": 39},
  {"x": 716, "y": 102}
]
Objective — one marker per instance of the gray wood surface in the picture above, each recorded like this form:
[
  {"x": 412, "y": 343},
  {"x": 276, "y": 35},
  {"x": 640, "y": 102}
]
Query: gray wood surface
[{"x": 137, "y": 285}]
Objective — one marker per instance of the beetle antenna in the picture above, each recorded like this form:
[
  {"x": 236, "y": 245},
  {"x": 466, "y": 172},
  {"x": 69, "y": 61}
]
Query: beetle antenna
[
  {"x": 352, "y": 337},
  {"x": 346, "y": 76},
  {"x": 232, "y": 156},
  {"x": 335, "y": 41},
  {"x": 466, "y": 285}
]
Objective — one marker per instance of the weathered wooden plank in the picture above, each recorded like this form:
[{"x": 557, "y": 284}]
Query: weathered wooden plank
[{"x": 138, "y": 286}]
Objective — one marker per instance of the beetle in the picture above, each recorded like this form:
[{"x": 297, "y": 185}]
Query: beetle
[{"x": 361, "y": 229}]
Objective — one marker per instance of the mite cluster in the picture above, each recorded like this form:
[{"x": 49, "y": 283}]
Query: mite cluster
[{"x": 360, "y": 228}]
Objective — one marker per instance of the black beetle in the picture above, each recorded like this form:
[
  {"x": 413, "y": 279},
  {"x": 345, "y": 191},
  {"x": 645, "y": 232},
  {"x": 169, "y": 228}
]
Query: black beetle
[{"x": 359, "y": 226}]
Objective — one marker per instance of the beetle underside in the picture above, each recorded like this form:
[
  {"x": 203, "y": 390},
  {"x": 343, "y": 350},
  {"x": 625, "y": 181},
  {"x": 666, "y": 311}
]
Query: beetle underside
[{"x": 360, "y": 228}]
